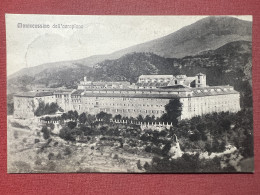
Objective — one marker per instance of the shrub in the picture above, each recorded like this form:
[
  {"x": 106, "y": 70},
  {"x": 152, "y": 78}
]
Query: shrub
[
  {"x": 51, "y": 156},
  {"x": 59, "y": 156},
  {"x": 148, "y": 149},
  {"x": 51, "y": 166},
  {"x": 46, "y": 132},
  {"x": 38, "y": 162},
  {"x": 138, "y": 164},
  {"x": 44, "y": 109},
  {"x": 72, "y": 124},
  {"x": 67, "y": 134},
  {"x": 67, "y": 151},
  {"x": 115, "y": 156},
  {"x": 146, "y": 166}
]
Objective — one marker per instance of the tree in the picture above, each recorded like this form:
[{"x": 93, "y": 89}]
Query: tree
[
  {"x": 104, "y": 116},
  {"x": 82, "y": 118},
  {"x": 46, "y": 132},
  {"x": 173, "y": 111},
  {"x": 101, "y": 115},
  {"x": 140, "y": 118},
  {"x": 47, "y": 118},
  {"x": 166, "y": 148},
  {"x": 148, "y": 119},
  {"x": 40, "y": 109},
  {"x": 71, "y": 115},
  {"x": 53, "y": 108},
  {"x": 118, "y": 117},
  {"x": 86, "y": 130},
  {"x": 91, "y": 118},
  {"x": 67, "y": 134},
  {"x": 64, "y": 116},
  {"x": 44, "y": 109},
  {"x": 72, "y": 124},
  {"x": 75, "y": 115}
]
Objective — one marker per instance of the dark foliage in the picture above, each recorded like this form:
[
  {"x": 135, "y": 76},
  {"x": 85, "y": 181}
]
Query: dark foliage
[
  {"x": 46, "y": 132},
  {"x": 173, "y": 111},
  {"x": 72, "y": 124},
  {"x": 44, "y": 109}
]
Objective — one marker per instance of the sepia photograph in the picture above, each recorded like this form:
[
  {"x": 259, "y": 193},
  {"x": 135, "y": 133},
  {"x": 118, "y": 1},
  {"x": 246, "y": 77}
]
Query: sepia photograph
[{"x": 129, "y": 94}]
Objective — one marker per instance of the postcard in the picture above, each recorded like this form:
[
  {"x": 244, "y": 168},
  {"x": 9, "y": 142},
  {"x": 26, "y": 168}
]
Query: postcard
[{"x": 129, "y": 94}]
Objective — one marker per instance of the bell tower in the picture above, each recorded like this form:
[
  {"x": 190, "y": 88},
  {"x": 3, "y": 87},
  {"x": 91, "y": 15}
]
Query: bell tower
[{"x": 200, "y": 80}]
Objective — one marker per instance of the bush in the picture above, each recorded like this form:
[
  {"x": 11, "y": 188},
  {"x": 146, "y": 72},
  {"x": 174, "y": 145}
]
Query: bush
[
  {"x": 59, "y": 156},
  {"x": 38, "y": 162},
  {"x": 51, "y": 166},
  {"x": 72, "y": 124},
  {"x": 115, "y": 156},
  {"x": 67, "y": 151},
  {"x": 148, "y": 149},
  {"x": 138, "y": 164},
  {"x": 67, "y": 134},
  {"x": 44, "y": 109},
  {"x": 147, "y": 166},
  {"x": 46, "y": 132},
  {"x": 51, "y": 156}
]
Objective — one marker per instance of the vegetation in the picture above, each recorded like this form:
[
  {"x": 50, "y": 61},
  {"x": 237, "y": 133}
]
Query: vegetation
[
  {"x": 173, "y": 111},
  {"x": 18, "y": 125},
  {"x": 44, "y": 109},
  {"x": 188, "y": 163},
  {"x": 46, "y": 132},
  {"x": 210, "y": 133}
]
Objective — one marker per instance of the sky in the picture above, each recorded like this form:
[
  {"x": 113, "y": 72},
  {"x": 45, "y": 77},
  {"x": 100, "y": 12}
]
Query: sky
[{"x": 28, "y": 46}]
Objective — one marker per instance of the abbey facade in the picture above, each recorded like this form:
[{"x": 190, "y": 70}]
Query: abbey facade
[{"x": 146, "y": 97}]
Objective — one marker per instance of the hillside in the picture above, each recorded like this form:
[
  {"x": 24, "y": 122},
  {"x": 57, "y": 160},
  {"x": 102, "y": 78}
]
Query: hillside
[
  {"x": 227, "y": 59},
  {"x": 50, "y": 77},
  {"x": 207, "y": 34},
  {"x": 230, "y": 64}
]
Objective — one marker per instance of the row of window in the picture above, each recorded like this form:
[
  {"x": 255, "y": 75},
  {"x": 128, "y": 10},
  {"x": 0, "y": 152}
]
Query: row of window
[{"x": 135, "y": 105}]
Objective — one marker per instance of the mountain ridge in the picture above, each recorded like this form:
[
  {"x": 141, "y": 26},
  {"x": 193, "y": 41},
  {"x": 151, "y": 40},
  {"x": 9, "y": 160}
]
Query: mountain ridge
[{"x": 206, "y": 34}]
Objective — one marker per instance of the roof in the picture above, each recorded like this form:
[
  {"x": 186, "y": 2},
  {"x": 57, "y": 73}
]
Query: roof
[
  {"x": 197, "y": 92},
  {"x": 152, "y": 84},
  {"x": 156, "y": 76},
  {"x": 161, "y": 96},
  {"x": 214, "y": 90},
  {"x": 100, "y": 83},
  {"x": 34, "y": 94},
  {"x": 200, "y": 74},
  {"x": 131, "y": 89},
  {"x": 77, "y": 92},
  {"x": 63, "y": 91}
]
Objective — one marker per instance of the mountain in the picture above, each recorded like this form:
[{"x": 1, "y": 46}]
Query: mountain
[
  {"x": 204, "y": 35},
  {"x": 54, "y": 76},
  {"x": 228, "y": 58},
  {"x": 220, "y": 47},
  {"x": 207, "y": 34},
  {"x": 230, "y": 64}
]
